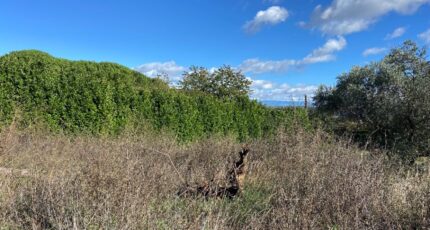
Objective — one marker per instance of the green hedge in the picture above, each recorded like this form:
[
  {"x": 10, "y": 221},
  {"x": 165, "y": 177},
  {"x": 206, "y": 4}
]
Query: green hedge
[{"x": 106, "y": 98}]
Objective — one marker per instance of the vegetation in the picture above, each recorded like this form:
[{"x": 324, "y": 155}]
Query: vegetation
[
  {"x": 295, "y": 181},
  {"x": 222, "y": 83},
  {"x": 105, "y": 98},
  {"x": 87, "y": 145},
  {"x": 386, "y": 103}
]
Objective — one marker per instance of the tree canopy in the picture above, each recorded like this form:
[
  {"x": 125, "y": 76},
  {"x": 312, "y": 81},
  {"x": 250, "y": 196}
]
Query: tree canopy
[
  {"x": 388, "y": 101},
  {"x": 224, "y": 82}
]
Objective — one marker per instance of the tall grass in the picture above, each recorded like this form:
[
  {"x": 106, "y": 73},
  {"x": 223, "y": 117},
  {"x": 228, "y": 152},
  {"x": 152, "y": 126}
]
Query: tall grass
[{"x": 129, "y": 182}]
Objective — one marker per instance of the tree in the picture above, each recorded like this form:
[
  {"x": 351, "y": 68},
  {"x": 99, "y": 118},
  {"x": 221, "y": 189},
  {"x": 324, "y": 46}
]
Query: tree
[
  {"x": 388, "y": 100},
  {"x": 324, "y": 99},
  {"x": 224, "y": 82},
  {"x": 197, "y": 78}
]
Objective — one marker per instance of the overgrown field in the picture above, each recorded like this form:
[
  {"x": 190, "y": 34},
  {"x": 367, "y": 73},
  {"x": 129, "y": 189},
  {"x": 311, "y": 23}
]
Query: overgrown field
[{"x": 300, "y": 181}]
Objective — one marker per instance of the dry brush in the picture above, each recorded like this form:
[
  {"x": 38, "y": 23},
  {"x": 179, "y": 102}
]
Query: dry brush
[{"x": 293, "y": 182}]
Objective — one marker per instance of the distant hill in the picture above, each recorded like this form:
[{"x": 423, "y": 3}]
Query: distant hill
[{"x": 107, "y": 98}]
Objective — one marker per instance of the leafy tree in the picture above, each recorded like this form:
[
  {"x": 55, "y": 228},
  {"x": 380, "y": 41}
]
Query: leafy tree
[
  {"x": 324, "y": 99},
  {"x": 196, "y": 79},
  {"x": 387, "y": 101},
  {"x": 224, "y": 82}
]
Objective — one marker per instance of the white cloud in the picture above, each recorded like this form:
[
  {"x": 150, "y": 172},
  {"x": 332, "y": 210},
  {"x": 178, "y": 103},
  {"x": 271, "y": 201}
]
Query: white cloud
[
  {"x": 267, "y": 90},
  {"x": 425, "y": 36},
  {"x": 374, "y": 51},
  {"x": 321, "y": 54},
  {"x": 396, "y": 33},
  {"x": 349, "y": 16},
  {"x": 261, "y": 84},
  {"x": 325, "y": 53},
  {"x": 272, "y": 16},
  {"x": 256, "y": 65},
  {"x": 212, "y": 69},
  {"x": 156, "y": 68}
]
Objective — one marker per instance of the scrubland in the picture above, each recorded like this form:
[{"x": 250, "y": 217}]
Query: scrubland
[{"x": 296, "y": 180}]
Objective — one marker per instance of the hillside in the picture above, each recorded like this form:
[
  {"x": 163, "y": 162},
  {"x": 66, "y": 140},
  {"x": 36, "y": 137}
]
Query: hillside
[{"x": 107, "y": 98}]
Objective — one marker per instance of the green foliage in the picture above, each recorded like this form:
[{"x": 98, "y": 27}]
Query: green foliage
[
  {"x": 224, "y": 82},
  {"x": 106, "y": 99},
  {"x": 6, "y": 106},
  {"x": 386, "y": 102}
]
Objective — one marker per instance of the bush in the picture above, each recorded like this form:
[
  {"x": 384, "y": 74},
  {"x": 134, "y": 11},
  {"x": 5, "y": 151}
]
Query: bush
[
  {"x": 386, "y": 103},
  {"x": 107, "y": 99}
]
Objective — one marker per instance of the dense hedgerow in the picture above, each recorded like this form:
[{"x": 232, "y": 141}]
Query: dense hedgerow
[{"x": 106, "y": 98}]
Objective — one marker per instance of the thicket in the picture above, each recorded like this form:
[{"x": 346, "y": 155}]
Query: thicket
[
  {"x": 106, "y": 98},
  {"x": 386, "y": 103}
]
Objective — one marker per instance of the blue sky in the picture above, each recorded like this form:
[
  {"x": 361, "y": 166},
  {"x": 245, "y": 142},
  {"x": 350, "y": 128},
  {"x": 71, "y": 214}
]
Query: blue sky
[{"x": 287, "y": 47}]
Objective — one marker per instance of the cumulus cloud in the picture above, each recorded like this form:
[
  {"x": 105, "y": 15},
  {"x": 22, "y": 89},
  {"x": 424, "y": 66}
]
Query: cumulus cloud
[
  {"x": 425, "y": 36},
  {"x": 326, "y": 52},
  {"x": 348, "y": 16},
  {"x": 267, "y": 90},
  {"x": 396, "y": 33},
  {"x": 321, "y": 54},
  {"x": 169, "y": 68},
  {"x": 261, "y": 84},
  {"x": 272, "y": 16},
  {"x": 374, "y": 51}
]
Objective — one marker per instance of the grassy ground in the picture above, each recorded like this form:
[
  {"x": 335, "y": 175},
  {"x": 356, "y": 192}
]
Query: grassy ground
[{"x": 294, "y": 182}]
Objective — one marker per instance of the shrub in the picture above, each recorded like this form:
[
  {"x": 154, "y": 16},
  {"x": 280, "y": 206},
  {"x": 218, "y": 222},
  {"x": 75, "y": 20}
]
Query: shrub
[
  {"x": 106, "y": 99},
  {"x": 387, "y": 102}
]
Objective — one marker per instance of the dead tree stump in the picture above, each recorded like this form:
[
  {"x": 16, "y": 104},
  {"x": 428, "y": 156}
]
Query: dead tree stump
[{"x": 235, "y": 176}]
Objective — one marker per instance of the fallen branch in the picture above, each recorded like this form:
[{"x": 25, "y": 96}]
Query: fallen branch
[{"x": 236, "y": 176}]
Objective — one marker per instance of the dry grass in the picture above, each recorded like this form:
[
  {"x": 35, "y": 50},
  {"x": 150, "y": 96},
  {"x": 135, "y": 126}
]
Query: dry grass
[{"x": 294, "y": 182}]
